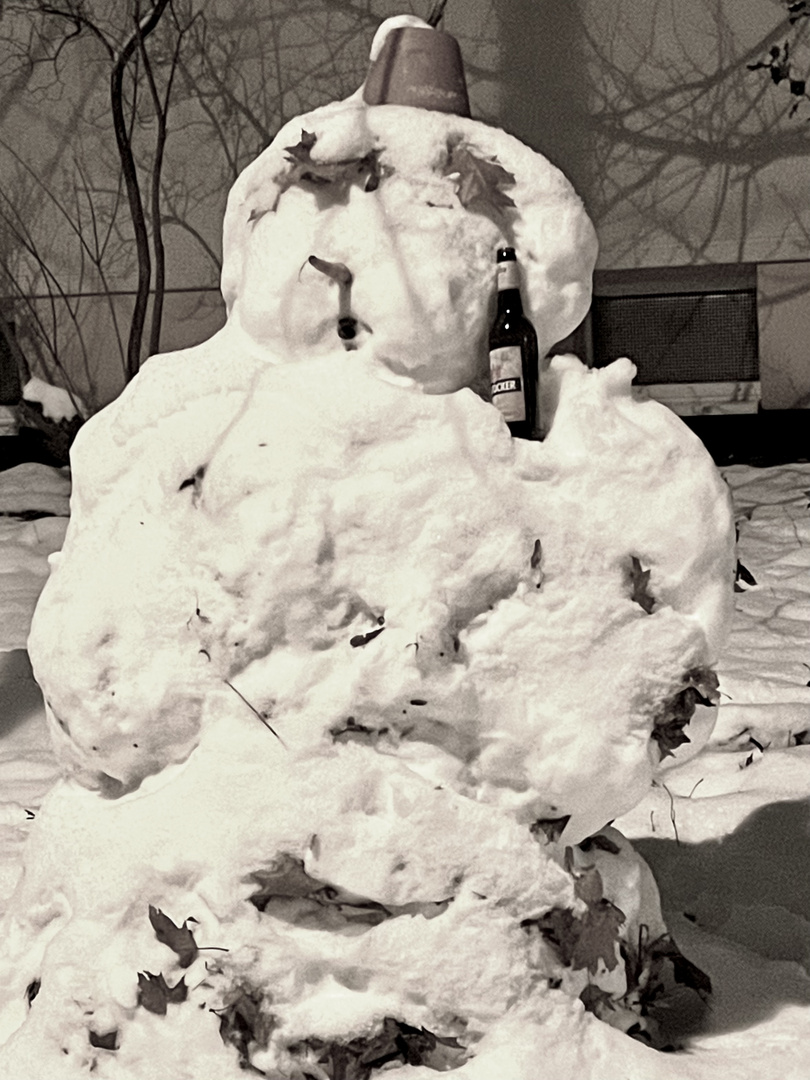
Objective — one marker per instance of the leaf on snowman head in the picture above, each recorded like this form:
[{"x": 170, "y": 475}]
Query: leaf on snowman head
[
  {"x": 668, "y": 727},
  {"x": 479, "y": 181},
  {"x": 332, "y": 180},
  {"x": 639, "y": 585}
]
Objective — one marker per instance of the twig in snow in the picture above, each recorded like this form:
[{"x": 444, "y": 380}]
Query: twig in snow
[
  {"x": 254, "y": 710},
  {"x": 672, "y": 814}
]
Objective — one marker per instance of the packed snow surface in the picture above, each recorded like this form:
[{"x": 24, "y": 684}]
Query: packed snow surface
[
  {"x": 33, "y": 519},
  {"x": 345, "y": 682},
  {"x": 401, "y": 198},
  {"x": 373, "y": 658},
  {"x": 734, "y": 888},
  {"x": 456, "y": 597},
  {"x": 57, "y": 404}
]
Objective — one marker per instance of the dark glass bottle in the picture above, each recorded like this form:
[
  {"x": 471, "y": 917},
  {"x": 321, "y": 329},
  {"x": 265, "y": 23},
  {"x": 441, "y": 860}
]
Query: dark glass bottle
[{"x": 513, "y": 360}]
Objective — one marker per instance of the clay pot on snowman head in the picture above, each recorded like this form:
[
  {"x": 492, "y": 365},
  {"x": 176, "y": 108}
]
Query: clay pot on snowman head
[{"x": 421, "y": 67}]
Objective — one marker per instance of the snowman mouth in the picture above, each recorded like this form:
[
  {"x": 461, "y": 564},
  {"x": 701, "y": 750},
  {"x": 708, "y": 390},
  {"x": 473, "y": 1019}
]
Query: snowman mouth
[{"x": 348, "y": 323}]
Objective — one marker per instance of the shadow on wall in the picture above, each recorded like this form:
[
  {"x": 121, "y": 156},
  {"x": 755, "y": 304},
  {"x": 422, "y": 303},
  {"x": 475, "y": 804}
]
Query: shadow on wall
[{"x": 545, "y": 88}]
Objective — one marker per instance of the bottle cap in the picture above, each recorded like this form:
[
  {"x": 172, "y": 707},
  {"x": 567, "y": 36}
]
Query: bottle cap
[{"x": 418, "y": 66}]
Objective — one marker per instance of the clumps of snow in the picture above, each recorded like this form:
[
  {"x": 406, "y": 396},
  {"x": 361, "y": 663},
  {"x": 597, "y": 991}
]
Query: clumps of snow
[
  {"x": 345, "y": 681},
  {"x": 412, "y": 573},
  {"x": 57, "y": 404},
  {"x": 421, "y": 263},
  {"x": 396, "y": 22},
  {"x": 358, "y": 668}
]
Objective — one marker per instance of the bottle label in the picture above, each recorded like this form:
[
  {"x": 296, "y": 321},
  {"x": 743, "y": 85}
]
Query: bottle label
[
  {"x": 508, "y": 276},
  {"x": 506, "y": 373}
]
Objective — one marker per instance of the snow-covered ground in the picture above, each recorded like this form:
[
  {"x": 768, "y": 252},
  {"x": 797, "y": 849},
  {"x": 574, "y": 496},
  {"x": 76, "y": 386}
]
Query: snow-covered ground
[{"x": 726, "y": 833}]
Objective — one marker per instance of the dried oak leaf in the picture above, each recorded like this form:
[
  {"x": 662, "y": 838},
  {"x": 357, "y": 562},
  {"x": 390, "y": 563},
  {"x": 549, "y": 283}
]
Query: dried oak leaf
[
  {"x": 597, "y": 937},
  {"x": 639, "y": 583},
  {"x": 397, "y": 1041},
  {"x": 560, "y": 927},
  {"x": 684, "y": 971},
  {"x": 743, "y": 574},
  {"x": 243, "y": 1023},
  {"x": 551, "y": 828},
  {"x": 584, "y": 941},
  {"x": 600, "y": 842},
  {"x": 670, "y": 734},
  {"x": 479, "y": 181},
  {"x": 286, "y": 878},
  {"x": 332, "y": 180},
  {"x": 668, "y": 725},
  {"x": 179, "y": 938},
  {"x": 588, "y": 885},
  {"x": 107, "y": 1041},
  {"x": 155, "y": 994},
  {"x": 705, "y": 681},
  {"x": 596, "y": 1000}
]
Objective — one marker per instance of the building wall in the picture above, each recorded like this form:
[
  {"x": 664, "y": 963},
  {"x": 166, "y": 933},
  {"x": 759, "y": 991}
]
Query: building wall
[
  {"x": 682, "y": 155},
  {"x": 784, "y": 334}
]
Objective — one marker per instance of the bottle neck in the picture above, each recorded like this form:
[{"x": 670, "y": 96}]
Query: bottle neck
[
  {"x": 509, "y": 301},
  {"x": 509, "y": 288}
]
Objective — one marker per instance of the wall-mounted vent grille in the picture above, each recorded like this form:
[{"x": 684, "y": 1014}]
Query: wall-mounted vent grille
[{"x": 680, "y": 337}]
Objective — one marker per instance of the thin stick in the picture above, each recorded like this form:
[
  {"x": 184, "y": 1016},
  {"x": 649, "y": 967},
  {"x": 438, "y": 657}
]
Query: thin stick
[
  {"x": 672, "y": 814},
  {"x": 254, "y": 710},
  {"x": 436, "y": 12}
]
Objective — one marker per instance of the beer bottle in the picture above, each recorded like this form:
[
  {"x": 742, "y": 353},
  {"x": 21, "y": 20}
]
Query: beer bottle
[{"x": 513, "y": 361}]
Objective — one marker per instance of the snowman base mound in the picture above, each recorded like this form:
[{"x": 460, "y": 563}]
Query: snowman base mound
[{"x": 337, "y": 783}]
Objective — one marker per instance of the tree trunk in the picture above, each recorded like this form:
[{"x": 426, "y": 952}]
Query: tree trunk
[{"x": 130, "y": 173}]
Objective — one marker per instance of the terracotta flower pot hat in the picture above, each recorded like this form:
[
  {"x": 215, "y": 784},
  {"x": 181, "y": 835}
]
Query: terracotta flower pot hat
[{"x": 418, "y": 66}]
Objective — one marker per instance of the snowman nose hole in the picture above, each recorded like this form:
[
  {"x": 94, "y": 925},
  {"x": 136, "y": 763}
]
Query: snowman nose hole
[{"x": 347, "y": 328}]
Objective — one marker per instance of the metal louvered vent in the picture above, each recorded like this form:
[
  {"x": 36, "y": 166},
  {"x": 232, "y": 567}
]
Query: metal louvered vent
[{"x": 682, "y": 337}]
